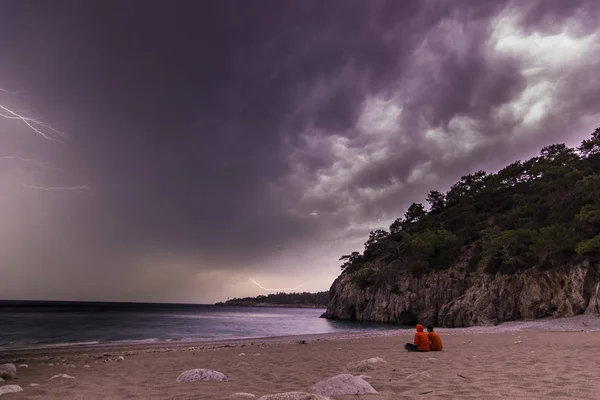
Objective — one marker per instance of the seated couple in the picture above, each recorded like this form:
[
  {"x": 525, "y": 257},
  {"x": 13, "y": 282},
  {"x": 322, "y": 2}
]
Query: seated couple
[{"x": 424, "y": 341}]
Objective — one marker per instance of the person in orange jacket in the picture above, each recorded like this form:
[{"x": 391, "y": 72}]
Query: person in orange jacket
[
  {"x": 435, "y": 339},
  {"x": 421, "y": 341}
]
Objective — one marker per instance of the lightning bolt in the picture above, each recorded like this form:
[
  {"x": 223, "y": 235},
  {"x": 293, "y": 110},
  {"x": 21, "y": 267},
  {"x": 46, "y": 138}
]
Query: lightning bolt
[
  {"x": 8, "y": 92},
  {"x": 31, "y": 161},
  {"x": 84, "y": 187},
  {"x": 273, "y": 290},
  {"x": 39, "y": 127},
  {"x": 42, "y": 129}
]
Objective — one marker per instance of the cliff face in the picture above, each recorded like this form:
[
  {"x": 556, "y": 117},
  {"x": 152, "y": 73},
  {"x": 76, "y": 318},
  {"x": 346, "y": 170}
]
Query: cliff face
[{"x": 459, "y": 297}]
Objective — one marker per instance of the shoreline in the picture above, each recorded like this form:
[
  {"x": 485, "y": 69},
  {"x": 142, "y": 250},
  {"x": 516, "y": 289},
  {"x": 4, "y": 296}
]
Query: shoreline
[
  {"x": 580, "y": 323},
  {"x": 539, "y": 359}
]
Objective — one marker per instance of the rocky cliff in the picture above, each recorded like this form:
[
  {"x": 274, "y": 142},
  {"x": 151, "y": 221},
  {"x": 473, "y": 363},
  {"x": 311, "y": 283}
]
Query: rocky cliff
[{"x": 462, "y": 297}]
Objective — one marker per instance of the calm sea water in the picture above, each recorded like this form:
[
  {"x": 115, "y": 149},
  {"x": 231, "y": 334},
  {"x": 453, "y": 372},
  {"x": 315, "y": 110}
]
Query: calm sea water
[{"x": 33, "y": 324}]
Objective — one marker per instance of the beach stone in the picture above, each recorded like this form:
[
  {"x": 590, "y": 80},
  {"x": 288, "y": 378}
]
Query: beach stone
[
  {"x": 33, "y": 384},
  {"x": 237, "y": 396},
  {"x": 242, "y": 354},
  {"x": 121, "y": 358},
  {"x": 1, "y": 380},
  {"x": 343, "y": 384},
  {"x": 70, "y": 366},
  {"x": 23, "y": 365},
  {"x": 64, "y": 376},
  {"x": 365, "y": 365},
  {"x": 201, "y": 375},
  {"x": 86, "y": 366},
  {"x": 10, "y": 389},
  {"x": 8, "y": 371},
  {"x": 294, "y": 396},
  {"x": 375, "y": 360}
]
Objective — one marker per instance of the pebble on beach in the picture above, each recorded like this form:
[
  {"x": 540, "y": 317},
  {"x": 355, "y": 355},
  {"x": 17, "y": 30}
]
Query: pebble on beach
[
  {"x": 8, "y": 371},
  {"x": 201, "y": 375},
  {"x": 343, "y": 384},
  {"x": 63, "y": 376},
  {"x": 10, "y": 389}
]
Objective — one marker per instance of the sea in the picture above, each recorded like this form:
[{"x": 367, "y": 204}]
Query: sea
[{"x": 36, "y": 324}]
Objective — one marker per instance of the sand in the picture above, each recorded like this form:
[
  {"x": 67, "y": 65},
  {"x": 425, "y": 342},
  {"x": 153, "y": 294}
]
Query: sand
[{"x": 556, "y": 359}]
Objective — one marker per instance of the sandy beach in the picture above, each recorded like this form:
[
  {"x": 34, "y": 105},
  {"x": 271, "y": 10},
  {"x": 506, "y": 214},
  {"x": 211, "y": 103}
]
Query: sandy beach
[{"x": 555, "y": 359}]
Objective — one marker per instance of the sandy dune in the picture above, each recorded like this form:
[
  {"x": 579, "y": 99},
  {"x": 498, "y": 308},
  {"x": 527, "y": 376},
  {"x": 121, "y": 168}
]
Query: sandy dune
[{"x": 476, "y": 363}]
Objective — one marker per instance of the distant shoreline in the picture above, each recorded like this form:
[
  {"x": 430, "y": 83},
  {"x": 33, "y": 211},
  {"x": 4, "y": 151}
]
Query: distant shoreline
[
  {"x": 281, "y": 300},
  {"x": 267, "y": 305}
]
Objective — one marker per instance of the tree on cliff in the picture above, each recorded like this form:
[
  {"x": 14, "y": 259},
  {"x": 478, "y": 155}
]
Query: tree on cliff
[{"x": 542, "y": 212}]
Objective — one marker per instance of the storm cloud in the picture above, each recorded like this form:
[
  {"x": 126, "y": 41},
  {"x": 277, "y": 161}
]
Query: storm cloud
[{"x": 232, "y": 139}]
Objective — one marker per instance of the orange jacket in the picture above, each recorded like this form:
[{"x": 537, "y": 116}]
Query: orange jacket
[
  {"x": 421, "y": 339},
  {"x": 436, "y": 341}
]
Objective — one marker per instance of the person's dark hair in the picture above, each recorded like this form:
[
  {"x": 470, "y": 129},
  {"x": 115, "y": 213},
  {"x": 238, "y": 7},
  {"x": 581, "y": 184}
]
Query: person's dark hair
[{"x": 430, "y": 328}]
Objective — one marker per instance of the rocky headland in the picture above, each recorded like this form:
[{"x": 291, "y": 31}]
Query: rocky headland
[{"x": 520, "y": 244}]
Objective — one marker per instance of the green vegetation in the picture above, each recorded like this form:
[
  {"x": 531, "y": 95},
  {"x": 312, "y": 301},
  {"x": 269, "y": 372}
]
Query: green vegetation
[
  {"x": 303, "y": 300},
  {"x": 543, "y": 212}
]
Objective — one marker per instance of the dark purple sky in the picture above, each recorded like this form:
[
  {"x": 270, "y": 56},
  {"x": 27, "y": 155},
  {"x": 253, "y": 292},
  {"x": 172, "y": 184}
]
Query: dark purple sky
[{"x": 225, "y": 140}]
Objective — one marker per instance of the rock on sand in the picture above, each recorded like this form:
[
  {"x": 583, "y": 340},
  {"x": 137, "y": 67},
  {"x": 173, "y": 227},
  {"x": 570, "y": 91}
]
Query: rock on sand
[
  {"x": 294, "y": 396},
  {"x": 201, "y": 375},
  {"x": 64, "y": 376},
  {"x": 8, "y": 371},
  {"x": 10, "y": 389},
  {"x": 365, "y": 365},
  {"x": 343, "y": 384}
]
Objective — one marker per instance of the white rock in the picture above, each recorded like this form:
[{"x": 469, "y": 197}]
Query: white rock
[
  {"x": 33, "y": 384},
  {"x": 365, "y": 377},
  {"x": 8, "y": 371},
  {"x": 365, "y": 365},
  {"x": 518, "y": 342},
  {"x": 86, "y": 366},
  {"x": 121, "y": 358},
  {"x": 241, "y": 395},
  {"x": 242, "y": 354},
  {"x": 10, "y": 389},
  {"x": 70, "y": 366},
  {"x": 201, "y": 375},
  {"x": 294, "y": 396},
  {"x": 343, "y": 384},
  {"x": 50, "y": 365},
  {"x": 257, "y": 354},
  {"x": 23, "y": 366},
  {"x": 65, "y": 376}
]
